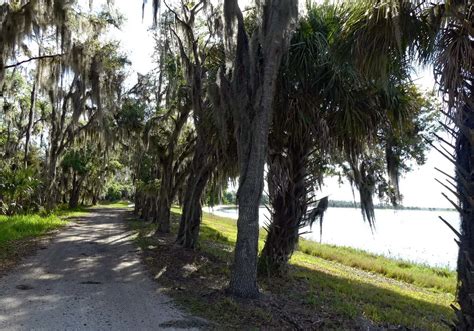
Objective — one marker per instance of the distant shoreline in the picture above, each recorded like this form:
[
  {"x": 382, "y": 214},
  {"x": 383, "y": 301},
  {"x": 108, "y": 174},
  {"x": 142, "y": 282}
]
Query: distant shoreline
[
  {"x": 356, "y": 205},
  {"x": 352, "y": 204}
]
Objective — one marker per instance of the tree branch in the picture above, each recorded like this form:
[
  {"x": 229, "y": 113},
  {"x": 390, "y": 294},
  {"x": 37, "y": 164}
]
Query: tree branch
[{"x": 42, "y": 57}]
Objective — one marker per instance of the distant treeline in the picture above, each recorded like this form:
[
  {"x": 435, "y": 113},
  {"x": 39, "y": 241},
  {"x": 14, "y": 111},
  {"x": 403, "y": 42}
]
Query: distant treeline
[
  {"x": 229, "y": 198},
  {"x": 353, "y": 204}
]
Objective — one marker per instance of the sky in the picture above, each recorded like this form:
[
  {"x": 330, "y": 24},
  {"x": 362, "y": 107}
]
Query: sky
[{"x": 418, "y": 187}]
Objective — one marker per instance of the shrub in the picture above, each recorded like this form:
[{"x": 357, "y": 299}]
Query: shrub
[
  {"x": 18, "y": 187},
  {"x": 117, "y": 191}
]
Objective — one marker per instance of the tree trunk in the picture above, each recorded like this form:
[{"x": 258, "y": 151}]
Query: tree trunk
[
  {"x": 190, "y": 221},
  {"x": 53, "y": 155},
  {"x": 163, "y": 214},
  {"x": 51, "y": 180},
  {"x": 253, "y": 90},
  {"x": 165, "y": 198},
  {"x": 288, "y": 198},
  {"x": 180, "y": 196},
  {"x": 139, "y": 203},
  {"x": 465, "y": 185},
  {"x": 64, "y": 183},
  {"x": 75, "y": 192},
  {"x": 154, "y": 208},
  {"x": 244, "y": 274},
  {"x": 252, "y": 142},
  {"x": 146, "y": 208},
  {"x": 30, "y": 123},
  {"x": 136, "y": 207}
]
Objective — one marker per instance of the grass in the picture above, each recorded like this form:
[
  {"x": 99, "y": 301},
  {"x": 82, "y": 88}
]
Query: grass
[
  {"x": 115, "y": 204},
  {"x": 19, "y": 227},
  {"x": 65, "y": 212},
  {"x": 27, "y": 226},
  {"x": 354, "y": 293},
  {"x": 441, "y": 279},
  {"x": 24, "y": 226},
  {"x": 326, "y": 287},
  {"x": 436, "y": 278}
]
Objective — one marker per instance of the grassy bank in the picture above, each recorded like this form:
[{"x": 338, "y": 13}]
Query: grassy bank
[
  {"x": 436, "y": 278},
  {"x": 326, "y": 287},
  {"x": 440, "y": 279}
]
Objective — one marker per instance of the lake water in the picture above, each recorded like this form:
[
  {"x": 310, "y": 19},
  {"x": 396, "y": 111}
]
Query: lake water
[{"x": 411, "y": 235}]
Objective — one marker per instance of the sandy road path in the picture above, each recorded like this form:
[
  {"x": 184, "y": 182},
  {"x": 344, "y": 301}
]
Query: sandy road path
[{"x": 89, "y": 278}]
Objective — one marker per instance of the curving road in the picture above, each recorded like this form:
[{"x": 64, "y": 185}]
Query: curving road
[{"x": 89, "y": 278}]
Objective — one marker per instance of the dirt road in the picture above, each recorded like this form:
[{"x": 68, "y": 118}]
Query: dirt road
[{"x": 89, "y": 278}]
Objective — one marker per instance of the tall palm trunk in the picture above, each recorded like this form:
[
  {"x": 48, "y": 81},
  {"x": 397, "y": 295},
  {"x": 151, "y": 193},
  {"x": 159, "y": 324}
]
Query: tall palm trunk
[
  {"x": 465, "y": 184},
  {"x": 288, "y": 197},
  {"x": 454, "y": 72}
]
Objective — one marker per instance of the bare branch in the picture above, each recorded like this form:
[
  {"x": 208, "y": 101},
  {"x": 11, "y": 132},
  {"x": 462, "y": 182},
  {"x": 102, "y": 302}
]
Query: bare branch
[{"x": 42, "y": 57}]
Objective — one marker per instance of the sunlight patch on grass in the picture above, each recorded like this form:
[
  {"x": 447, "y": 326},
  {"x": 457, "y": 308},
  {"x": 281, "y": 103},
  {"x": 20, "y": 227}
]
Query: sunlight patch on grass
[
  {"x": 66, "y": 213},
  {"x": 23, "y": 226},
  {"x": 114, "y": 205},
  {"x": 18, "y": 227}
]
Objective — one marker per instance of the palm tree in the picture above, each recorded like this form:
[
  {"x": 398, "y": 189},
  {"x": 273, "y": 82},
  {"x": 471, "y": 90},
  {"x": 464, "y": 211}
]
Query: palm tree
[
  {"x": 454, "y": 72},
  {"x": 441, "y": 34},
  {"x": 329, "y": 112}
]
